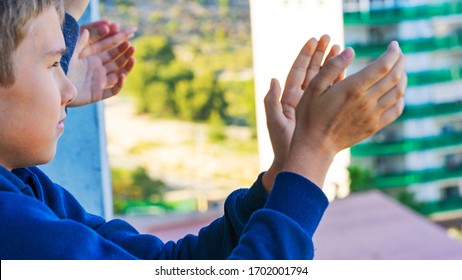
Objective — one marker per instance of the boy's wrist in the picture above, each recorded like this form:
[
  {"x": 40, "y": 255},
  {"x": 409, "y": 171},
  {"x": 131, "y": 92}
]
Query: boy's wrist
[{"x": 271, "y": 173}]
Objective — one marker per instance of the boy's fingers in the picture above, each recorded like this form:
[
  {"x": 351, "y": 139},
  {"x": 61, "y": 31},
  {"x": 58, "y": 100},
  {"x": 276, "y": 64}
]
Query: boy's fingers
[
  {"x": 271, "y": 101},
  {"x": 378, "y": 69},
  {"x": 316, "y": 60},
  {"x": 274, "y": 93},
  {"x": 297, "y": 72},
  {"x": 335, "y": 50},
  {"x": 331, "y": 70}
]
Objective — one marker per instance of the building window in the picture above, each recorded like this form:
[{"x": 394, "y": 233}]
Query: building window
[{"x": 450, "y": 193}]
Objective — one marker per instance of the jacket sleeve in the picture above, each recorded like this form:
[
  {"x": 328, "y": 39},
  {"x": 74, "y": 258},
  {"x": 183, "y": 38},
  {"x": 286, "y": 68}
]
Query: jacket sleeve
[
  {"x": 284, "y": 227},
  {"x": 254, "y": 226},
  {"x": 59, "y": 228}
]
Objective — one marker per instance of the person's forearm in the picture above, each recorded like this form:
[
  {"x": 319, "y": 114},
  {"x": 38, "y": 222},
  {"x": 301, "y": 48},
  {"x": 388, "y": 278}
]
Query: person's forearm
[
  {"x": 75, "y": 8},
  {"x": 310, "y": 161}
]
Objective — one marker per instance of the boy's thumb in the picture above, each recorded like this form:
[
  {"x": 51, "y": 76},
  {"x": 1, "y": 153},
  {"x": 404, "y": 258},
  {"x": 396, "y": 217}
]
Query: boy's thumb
[
  {"x": 271, "y": 100},
  {"x": 274, "y": 92},
  {"x": 82, "y": 42}
]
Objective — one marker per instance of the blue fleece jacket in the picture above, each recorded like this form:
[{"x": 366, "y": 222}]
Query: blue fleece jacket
[{"x": 41, "y": 220}]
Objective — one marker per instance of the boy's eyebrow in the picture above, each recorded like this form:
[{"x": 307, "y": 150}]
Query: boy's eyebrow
[{"x": 60, "y": 52}]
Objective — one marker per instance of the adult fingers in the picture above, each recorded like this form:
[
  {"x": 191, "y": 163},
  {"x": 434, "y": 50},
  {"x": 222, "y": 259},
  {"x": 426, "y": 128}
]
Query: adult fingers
[
  {"x": 389, "y": 81},
  {"x": 391, "y": 97},
  {"x": 377, "y": 70},
  {"x": 316, "y": 60},
  {"x": 330, "y": 72},
  {"x": 98, "y": 30},
  {"x": 82, "y": 42},
  {"x": 129, "y": 66},
  {"x": 95, "y": 24},
  {"x": 109, "y": 42},
  {"x": 109, "y": 92},
  {"x": 120, "y": 62},
  {"x": 115, "y": 53},
  {"x": 392, "y": 113},
  {"x": 112, "y": 78}
]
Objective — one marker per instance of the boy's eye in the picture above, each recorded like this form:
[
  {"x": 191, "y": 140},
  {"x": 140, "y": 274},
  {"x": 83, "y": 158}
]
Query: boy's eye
[{"x": 56, "y": 64}]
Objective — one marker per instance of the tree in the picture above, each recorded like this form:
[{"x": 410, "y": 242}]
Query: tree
[
  {"x": 360, "y": 179},
  {"x": 153, "y": 80},
  {"x": 134, "y": 186},
  {"x": 198, "y": 98}
]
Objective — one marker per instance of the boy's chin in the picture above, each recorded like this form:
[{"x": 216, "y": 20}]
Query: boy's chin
[{"x": 46, "y": 158}]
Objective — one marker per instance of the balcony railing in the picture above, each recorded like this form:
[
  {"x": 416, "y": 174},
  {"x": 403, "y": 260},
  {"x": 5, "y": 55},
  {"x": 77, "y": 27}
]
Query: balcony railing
[
  {"x": 400, "y": 14},
  {"x": 430, "y": 110},
  {"x": 416, "y": 177},
  {"x": 434, "y": 76},
  {"x": 406, "y": 146},
  {"x": 453, "y": 41},
  {"x": 433, "y": 207}
]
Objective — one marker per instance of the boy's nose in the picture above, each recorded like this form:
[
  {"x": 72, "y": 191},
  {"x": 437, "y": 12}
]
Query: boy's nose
[{"x": 68, "y": 92}]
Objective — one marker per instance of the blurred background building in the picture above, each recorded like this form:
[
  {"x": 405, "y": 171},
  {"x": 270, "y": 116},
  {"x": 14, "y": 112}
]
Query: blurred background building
[{"x": 418, "y": 158}]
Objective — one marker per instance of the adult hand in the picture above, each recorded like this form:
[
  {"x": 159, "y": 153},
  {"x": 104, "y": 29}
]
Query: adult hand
[
  {"x": 332, "y": 117},
  {"x": 280, "y": 112},
  {"x": 102, "y": 60}
]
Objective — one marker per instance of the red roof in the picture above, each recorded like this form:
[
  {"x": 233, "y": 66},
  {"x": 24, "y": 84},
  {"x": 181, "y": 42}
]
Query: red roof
[
  {"x": 371, "y": 225},
  {"x": 363, "y": 226}
]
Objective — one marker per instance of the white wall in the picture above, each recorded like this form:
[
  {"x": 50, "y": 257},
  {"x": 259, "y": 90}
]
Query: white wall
[{"x": 279, "y": 30}]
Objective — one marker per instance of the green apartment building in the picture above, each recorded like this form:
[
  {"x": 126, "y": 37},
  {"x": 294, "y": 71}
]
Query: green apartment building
[{"x": 420, "y": 153}]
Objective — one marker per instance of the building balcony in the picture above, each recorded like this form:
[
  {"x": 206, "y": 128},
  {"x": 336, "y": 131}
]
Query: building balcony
[
  {"x": 453, "y": 41},
  {"x": 434, "y": 76},
  {"x": 430, "y": 110},
  {"x": 417, "y": 177},
  {"x": 399, "y": 14},
  {"x": 407, "y": 145},
  {"x": 433, "y": 207}
]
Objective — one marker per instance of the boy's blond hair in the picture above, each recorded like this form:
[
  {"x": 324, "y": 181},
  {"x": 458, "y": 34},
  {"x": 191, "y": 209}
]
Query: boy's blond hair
[{"x": 14, "y": 18}]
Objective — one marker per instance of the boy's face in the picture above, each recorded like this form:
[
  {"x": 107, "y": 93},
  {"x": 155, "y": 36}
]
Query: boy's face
[{"x": 33, "y": 109}]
